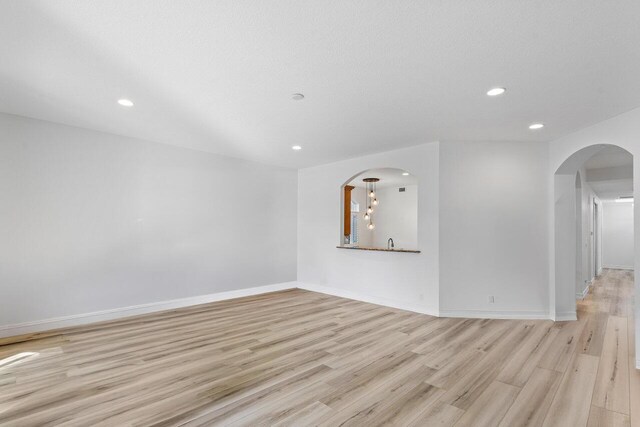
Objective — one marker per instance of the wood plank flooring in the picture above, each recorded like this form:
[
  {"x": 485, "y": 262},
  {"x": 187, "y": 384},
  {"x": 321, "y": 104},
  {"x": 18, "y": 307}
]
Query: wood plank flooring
[{"x": 298, "y": 358}]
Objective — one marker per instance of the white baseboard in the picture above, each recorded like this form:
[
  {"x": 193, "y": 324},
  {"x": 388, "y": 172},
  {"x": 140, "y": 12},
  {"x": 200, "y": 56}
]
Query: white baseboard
[
  {"x": 618, "y": 267},
  {"x": 565, "y": 316},
  {"x": 474, "y": 314},
  {"x": 117, "y": 313},
  {"x": 483, "y": 314},
  {"x": 583, "y": 294},
  {"x": 366, "y": 298}
]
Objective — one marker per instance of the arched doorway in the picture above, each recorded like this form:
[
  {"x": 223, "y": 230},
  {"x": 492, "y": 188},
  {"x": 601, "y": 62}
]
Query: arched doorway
[{"x": 574, "y": 252}]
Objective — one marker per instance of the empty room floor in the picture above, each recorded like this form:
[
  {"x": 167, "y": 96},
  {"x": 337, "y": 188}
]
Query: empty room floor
[{"x": 302, "y": 358}]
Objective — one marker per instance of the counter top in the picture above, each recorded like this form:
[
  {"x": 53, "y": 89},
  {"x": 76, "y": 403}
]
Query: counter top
[{"x": 360, "y": 248}]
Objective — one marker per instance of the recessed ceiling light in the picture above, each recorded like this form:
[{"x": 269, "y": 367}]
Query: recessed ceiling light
[
  {"x": 405, "y": 173},
  {"x": 125, "y": 102},
  {"x": 297, "y": 97},
  {"x": 536, "y": 126},
  {"x": 296, "y": 147},
  {"x": 496, "y": 91}
]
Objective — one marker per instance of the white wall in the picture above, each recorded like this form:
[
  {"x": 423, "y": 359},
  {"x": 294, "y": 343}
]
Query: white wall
[
  {"x": 481, "y": 228},
  {"x": 617, "y": 235},
  {"x": 579, "y": 207},
  {"x": 493, "y": 224},
  {"x": 398, "y": 279},
  {"x": 396, "y": 216},
  {"x": 91, "y": 221}
]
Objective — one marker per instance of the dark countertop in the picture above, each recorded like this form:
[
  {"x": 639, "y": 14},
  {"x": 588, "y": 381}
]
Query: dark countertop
[{"x": 360, "y": 248}]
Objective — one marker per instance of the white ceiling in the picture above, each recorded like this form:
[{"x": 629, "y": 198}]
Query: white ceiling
[
  {"x": 613, "y": 176},
  {"x": 389, "y": 177},
  {"x": 611, "y": 190},
  {"x": 609, "y": 157},
  {"x": 377, "y": 75}
]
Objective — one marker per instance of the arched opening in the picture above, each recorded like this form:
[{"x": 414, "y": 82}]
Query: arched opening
[{"x": 592, "y": 176}]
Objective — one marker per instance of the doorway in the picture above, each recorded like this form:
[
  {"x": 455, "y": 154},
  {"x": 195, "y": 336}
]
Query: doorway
[{"x": 588, "y": 176}]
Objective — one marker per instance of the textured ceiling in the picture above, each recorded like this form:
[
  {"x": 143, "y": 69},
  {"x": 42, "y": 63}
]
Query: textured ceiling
[{"x": 218, "y": 75}]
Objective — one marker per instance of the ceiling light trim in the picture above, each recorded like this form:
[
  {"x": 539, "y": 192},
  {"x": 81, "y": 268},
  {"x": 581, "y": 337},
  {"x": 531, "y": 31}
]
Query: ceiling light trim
[{"x": 496, "y": 91}]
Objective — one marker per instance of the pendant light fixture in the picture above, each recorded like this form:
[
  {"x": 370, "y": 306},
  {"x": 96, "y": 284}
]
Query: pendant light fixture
[{"x": 372, "y": 200}]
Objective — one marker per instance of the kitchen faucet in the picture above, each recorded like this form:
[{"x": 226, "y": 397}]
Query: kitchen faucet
[{"x": 390, "y": 243}]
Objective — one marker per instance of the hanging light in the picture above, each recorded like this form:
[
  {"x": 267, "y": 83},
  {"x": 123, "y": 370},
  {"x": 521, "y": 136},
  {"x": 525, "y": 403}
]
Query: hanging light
[{"x": 371, "y": 192}]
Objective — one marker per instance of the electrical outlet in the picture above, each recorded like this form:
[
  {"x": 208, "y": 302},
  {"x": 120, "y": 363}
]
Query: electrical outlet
[{"x": 491, "y": 299}]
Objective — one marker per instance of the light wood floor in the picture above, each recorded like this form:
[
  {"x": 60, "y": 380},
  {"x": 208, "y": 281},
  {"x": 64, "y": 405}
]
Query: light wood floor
[{"x": 301, "y": 358}]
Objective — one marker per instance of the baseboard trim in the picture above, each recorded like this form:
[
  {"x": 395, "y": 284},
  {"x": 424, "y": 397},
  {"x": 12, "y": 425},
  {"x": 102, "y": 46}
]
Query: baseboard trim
[
  {"x": 483, "y": 314},
  {"x": 118, "y": 313},
  {"x": 522, "y": 315},
  {"x": 567, "y": 316},
  {"x": 366, "y": 298},
  {"x": 471, "y": 314},
  {"x": 582, "y": 295},
  {"x": 134, "y": 310},
  {"x": 618, "y": 267}
]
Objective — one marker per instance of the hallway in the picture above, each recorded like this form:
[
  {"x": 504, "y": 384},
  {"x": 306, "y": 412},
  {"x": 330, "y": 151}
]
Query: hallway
[{"x": 603, "y": 369}]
